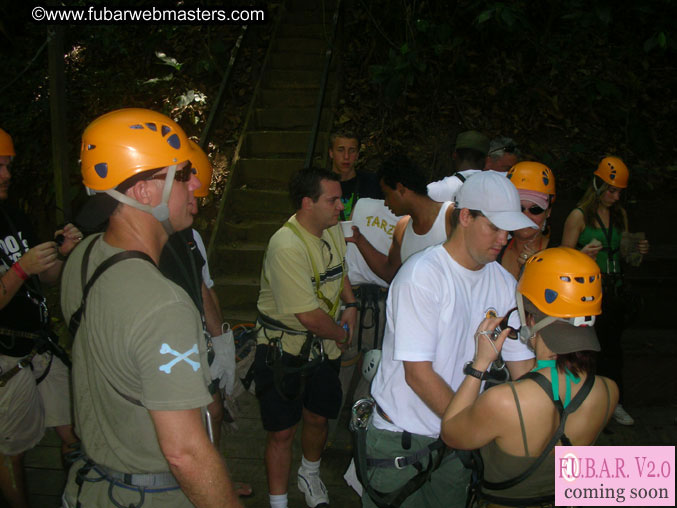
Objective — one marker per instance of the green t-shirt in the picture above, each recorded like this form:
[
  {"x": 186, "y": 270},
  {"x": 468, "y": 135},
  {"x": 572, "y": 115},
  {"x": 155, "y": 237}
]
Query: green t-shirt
[
  {"x": 140, "y": 337},
  {"x": 288, "y": 283}
]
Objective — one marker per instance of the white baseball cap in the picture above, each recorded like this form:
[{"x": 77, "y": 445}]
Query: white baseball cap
[{"x": 496, "y": 197}]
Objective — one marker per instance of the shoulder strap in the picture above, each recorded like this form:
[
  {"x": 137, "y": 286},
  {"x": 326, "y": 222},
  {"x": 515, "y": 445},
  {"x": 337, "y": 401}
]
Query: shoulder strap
[
  {"x": 331, "y": 306},
  {"x": 74, "y": 322},
  {"x": 461, "y": 177},
  {"x": 519, "y": 412},
  {"x": 559, "y": 433},
  {"x": 606, "y": 413}
]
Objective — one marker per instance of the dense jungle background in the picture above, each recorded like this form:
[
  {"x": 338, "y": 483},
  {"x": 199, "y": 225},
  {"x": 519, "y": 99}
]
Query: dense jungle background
[{"x": 569, "y": 81}]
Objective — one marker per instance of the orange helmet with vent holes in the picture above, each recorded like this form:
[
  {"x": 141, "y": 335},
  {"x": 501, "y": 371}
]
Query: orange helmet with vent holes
[
  {"x": 201, "y": 164},
  {"x": 533, "y": 176},
  {"x": 613, "y": 171},
  {"x": 122, "y": 143},
  {"x": 6, "y": 144},
  {"x": 562, "y": 282}
]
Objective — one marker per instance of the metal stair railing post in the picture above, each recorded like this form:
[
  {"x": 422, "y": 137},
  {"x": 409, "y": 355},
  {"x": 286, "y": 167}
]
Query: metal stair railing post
[
  {"x": 206, "y": 132},
  {"x": 323, "y": 87}
]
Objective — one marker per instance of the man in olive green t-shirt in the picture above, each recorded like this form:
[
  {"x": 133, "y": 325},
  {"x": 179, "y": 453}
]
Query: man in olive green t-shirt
[
  {"x": 140, "y": 371},
  {"x": 303, "y": 282}
]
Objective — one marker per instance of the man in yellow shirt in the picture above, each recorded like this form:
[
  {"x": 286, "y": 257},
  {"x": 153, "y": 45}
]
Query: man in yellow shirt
[{"x": 303, "y": 332}]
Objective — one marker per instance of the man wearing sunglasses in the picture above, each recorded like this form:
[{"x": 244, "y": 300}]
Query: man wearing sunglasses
[
  {"x": 140, "y": 371},
  {"x": 435, "y": 305},
  {"x": 469, "y": 156},
  {"x": 503, "y": 154}
]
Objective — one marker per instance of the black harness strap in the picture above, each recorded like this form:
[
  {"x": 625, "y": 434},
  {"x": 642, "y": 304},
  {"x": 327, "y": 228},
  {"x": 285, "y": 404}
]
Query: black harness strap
[
  {"x": 76, "y": 317},
  {"x": 575, "y": 403},
  {"x": 369, "y": 298},
  {"x": 396, "y": 498},
  {"x": 304, "y": 363}
]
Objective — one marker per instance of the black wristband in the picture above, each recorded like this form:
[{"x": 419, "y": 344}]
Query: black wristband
[
  {"x": 468, "y": 370},
  {"x": 351, "y": 304}
]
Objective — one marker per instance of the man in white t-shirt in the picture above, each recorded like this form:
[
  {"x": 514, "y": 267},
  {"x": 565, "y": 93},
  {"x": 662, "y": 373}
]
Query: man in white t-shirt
[{"x": 435, "y": 305}]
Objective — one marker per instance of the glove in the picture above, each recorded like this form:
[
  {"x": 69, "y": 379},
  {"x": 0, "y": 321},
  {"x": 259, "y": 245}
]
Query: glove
[{"x": 223, "y": 366}]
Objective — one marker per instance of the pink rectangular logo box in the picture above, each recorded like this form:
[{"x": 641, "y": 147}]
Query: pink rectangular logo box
[{"x": 615, "y": 476}]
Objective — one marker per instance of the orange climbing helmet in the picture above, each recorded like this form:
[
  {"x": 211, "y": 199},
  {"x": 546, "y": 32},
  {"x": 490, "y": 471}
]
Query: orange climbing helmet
[
  {"x": 201, "y": 164},
  {"x": 562, "y": 282},
  {"x": 562, "y": 288},
  {"x": 122, "y": 143},
  {"x": 613, "y": 171},
  {"x": 533, "y": 176},
  {"x": 6, "y": 144}
]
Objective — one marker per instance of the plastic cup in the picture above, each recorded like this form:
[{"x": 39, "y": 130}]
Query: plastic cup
[{"x": 347, "y": 228}]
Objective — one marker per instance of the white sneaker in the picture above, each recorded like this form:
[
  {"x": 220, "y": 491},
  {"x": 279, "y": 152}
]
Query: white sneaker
[
  {"x": 311, "y": 485},
  {"x": 621, "y": 416}
]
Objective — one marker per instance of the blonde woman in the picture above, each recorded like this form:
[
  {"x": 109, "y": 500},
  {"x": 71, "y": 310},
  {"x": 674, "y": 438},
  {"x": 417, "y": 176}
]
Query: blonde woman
[{"x": 595, "y": 228}]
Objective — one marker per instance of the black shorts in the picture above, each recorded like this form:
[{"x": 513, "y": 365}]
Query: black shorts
[{"x": 322, "y": 394}]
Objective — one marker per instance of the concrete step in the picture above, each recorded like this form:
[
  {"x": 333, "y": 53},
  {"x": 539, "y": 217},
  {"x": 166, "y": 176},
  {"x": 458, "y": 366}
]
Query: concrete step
[
  {"x": 251, "y": 231},
  {"x": 294, "y": 79},
  {"x": 278, "y": 143},
  {"x": 241, "y": 259},
  {"x": 297, "y": 43},
  {"x": 236, "y": 290},
  {"x": 281, "y": 98},
  {"x": 289, "y": 119},
  {"x": 261, "y": 203},
  {"x": 273, "y": 174},
  {"x": 294, "y": 60}
]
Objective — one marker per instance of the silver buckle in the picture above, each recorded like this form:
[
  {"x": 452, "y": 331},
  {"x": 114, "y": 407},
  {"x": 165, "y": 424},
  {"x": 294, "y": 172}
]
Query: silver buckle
[{"x": 397, "y": 462}]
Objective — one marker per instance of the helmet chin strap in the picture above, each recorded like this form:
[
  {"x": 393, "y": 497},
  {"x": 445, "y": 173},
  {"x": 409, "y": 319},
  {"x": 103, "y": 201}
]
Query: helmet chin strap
[
  {"x": 161, "y": 211},
  {"x": 526, "y": 331},
  {"x": 594, "y": 186}
]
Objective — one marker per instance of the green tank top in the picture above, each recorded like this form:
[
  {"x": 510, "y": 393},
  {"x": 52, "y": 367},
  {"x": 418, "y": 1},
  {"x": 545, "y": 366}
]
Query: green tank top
[{"x": 607, "y": 263}]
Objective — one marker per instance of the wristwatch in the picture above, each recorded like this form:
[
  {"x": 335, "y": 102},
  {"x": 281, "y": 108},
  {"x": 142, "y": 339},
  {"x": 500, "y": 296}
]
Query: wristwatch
[{"x": 468, "y": 370}]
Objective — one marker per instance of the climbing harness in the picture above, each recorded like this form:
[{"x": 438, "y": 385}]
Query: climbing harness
[
  {"x": 143, "y": 483},
  {"x": 477, "y": 481},
  {"x": 362, "y": 413},
  {"x": 369, "y": 296},
  {"x": 312, "y": 351},
  {"x": 284, "y": 364}
]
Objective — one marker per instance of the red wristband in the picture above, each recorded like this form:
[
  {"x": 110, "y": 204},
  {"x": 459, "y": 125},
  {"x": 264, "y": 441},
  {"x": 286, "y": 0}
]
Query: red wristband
[{"x": 19, "y": 271}]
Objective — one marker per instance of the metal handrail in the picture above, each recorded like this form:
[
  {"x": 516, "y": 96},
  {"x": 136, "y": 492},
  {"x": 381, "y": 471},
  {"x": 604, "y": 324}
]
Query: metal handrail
[
  {"x": 323, "y": 88},
  {"x": 245, "y": 127},
  {"x": 219, "y": 96}
]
